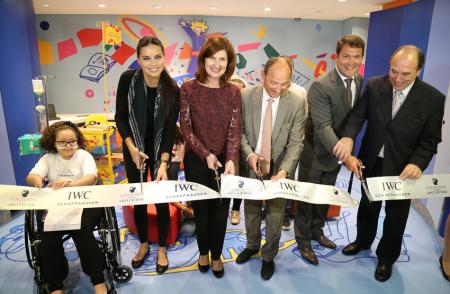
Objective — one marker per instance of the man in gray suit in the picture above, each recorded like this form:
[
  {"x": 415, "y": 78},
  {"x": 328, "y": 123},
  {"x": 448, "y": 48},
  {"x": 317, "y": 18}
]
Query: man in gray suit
[
  {"x": 271, "y": 99},
  {"x": 301, "y": 92},
  {"x": 330, "y": 99}
]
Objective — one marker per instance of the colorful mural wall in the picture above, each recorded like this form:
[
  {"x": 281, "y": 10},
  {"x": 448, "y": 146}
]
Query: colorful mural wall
[{"x": 71, "y": 49}]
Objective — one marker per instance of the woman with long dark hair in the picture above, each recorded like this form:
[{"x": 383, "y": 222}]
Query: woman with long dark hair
[
  {"x": 210, "y": 119},
  {"x": 147, "y": 107}
]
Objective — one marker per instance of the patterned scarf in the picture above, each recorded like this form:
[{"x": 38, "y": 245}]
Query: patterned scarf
[{"x": 138, "y": 121}]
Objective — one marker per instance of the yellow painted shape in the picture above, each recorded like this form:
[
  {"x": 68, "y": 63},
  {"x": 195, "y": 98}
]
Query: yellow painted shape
[
  {"x": 309, "y": 63},
  {"x": 261, "y": 33},
  {"x": 122, "y": 233},
  {"x": 46, "y": 55}
]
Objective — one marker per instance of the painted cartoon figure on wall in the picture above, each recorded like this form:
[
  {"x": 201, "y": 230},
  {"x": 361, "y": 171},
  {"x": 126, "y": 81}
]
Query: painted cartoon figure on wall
[{"x": 197, "y": 31}]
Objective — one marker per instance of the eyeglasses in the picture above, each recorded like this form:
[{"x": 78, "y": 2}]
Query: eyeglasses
[{"x": 72, "y": 143}]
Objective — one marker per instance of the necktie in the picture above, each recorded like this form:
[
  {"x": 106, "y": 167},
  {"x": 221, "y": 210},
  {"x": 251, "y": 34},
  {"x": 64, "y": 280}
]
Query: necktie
[
  {"x": 349, "y": 91},
  {"x": 397, "y": 101},
  {"x": 266, "y": 138}
]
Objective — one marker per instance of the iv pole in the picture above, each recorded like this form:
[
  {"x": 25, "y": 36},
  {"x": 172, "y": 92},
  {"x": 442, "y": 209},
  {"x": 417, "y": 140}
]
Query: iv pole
[{"x": 40, "y": 90}]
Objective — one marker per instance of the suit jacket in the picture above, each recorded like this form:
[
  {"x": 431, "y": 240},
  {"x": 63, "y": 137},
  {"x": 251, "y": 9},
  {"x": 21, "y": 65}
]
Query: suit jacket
[
  {"x": 411, "y": 137},
  {"x": 328, "y": 108},
  {"x": 287, "y": 133}
]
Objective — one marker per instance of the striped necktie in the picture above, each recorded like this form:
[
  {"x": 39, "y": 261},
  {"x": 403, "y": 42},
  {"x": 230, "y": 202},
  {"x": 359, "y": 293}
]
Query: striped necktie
[{"x": 397, "y": 101}]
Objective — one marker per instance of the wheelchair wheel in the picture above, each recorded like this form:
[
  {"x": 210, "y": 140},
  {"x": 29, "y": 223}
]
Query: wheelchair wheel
[
  {"x": 122, "y": 274},
  {"x": 110, "y": 224},
  {"x": 27, "y": 231},
  {"x": 116, "y": 238}
]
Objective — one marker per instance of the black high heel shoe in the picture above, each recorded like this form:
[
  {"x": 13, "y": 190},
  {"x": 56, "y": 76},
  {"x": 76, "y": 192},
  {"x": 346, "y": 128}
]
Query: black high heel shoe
[
  {"x": 219, "y": 274},
  {"x": 138, "y": 263},
  {"x": 447, "y": 277},
  {"x": 203, "y": 268},
  {"x": 160, "y": 269}
]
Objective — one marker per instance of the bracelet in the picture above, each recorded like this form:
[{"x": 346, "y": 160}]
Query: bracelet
[{"x": 166, "y": 162}]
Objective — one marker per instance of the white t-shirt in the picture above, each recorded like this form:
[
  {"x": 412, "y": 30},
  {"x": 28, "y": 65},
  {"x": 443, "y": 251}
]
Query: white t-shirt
[{"x": 54, "y": 167}]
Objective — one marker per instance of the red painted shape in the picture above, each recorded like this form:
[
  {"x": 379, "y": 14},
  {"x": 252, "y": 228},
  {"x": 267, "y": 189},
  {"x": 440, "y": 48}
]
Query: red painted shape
[
  {"x": 66, "y": 48},
  {"x": 321, "y": 68},
  {"x": 123, "y": 53},
  {"x": 89, "y": 37}
]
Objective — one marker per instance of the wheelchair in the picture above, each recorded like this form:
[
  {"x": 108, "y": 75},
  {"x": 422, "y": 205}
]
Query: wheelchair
[{"x": 108, "y": 242}]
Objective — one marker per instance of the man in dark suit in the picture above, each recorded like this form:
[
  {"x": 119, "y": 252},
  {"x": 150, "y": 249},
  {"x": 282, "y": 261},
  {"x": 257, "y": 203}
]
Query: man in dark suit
[
  {"x": 330, "y": 99},
  {"x": 404, "y": 122}
]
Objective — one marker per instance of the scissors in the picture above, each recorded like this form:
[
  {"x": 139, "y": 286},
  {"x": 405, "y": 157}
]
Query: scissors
[
  {"x": 364, "y": 183},
  {"x": 366, "y": 189},
  {"x": 217, "y": 177},
  {"x": 259, "y": 174}
]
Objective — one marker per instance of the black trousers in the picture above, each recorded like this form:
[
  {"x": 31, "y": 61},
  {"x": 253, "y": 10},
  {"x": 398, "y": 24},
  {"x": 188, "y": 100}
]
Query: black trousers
[
  {"x": 237, "y": 204},
  {"x": 396, "y": 211},
  {"x": 310, "y": 218},
  {"x": 210, "y": 215},
  {"x": 91, "y": 257},
  {"x": 172, "y": 171},
  {"x": 140, "y": 211}
]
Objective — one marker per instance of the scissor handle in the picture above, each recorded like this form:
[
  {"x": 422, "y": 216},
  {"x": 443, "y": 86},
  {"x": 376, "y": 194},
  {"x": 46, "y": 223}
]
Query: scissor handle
[
  {"x": 258, "y": 168},
  {"x": 360, "y": 169}
]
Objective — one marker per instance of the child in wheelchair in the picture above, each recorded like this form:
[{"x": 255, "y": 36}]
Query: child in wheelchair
[{"x": 67, "y": 165}]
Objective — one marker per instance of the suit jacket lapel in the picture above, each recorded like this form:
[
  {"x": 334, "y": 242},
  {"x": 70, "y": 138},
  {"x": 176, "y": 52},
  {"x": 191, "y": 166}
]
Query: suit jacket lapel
[
  {"x": 386, "y": 100},
  {"x": 283, "y": 105},
  {"x": 339, "y": 88},
  {"x": 358, "y": 83},
  {"x": 411, "y": 102},
  {"x": 256, "y": 113}
]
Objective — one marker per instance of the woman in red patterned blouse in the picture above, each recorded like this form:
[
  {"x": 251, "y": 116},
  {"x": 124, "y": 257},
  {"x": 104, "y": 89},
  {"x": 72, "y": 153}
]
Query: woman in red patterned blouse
[{"x": 210, "y": 112}]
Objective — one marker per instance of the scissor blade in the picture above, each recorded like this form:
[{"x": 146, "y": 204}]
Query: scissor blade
[
  {"x": 216, "y": 172},
  {"x": 141, "y": 174},
  {"x": 366, "y": 189},
  {"x": 262, "y": 180}
]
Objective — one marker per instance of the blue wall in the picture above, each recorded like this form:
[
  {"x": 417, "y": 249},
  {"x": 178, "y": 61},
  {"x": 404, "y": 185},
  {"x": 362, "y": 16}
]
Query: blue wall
[
  {"x": 19, "y": 64},
  {"x": 389, "y": 29},
  {"x": 6, "y": 174},
  {"x": 437, "y": 73}
]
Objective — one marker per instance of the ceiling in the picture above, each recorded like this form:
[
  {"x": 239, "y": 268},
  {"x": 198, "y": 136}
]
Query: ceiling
[{"x": 300, "y": 9}]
